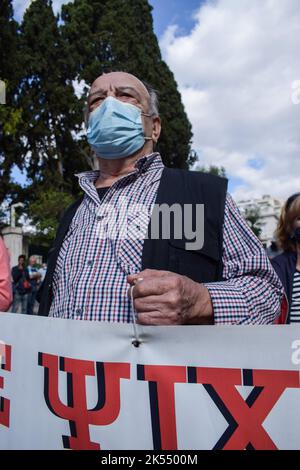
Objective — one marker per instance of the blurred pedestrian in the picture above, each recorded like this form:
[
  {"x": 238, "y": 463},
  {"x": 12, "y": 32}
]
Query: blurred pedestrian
[
  {"x": 287, "y": 265},
  {"x": 43, "y": 271},
  {"x": 21, "y": 286},
  {"x": 35, "y": 277}
]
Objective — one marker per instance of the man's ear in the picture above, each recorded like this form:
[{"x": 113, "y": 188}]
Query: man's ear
[{"x": 156, "y": 128}]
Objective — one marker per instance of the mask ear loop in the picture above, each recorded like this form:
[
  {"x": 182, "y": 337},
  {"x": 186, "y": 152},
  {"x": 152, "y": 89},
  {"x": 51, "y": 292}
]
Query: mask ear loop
[
  {"x": 147, "y": 115},
  {"x": 137, "y": 341}
]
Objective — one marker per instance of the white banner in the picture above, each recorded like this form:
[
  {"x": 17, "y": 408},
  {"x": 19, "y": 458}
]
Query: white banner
[{"x": 83, "y": 385}]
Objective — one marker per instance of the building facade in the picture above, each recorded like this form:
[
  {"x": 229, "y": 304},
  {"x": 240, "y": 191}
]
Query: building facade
[{"x": 269, "y": 209}]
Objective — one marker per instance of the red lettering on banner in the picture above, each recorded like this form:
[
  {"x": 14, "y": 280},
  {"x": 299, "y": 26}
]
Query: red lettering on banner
[
  {"x": 5, "y": 363},
  {"x": 246, "y": 417},
  {"x": 108, "y": 407},
  {"x": 162, "y": 402}
]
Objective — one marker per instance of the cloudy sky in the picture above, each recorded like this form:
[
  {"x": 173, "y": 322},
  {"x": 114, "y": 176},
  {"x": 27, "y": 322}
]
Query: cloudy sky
[{"x": 237, "y": 65}]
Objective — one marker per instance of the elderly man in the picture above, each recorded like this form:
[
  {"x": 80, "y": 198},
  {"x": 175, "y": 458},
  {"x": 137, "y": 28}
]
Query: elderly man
[{"x": 227, "y": 279}]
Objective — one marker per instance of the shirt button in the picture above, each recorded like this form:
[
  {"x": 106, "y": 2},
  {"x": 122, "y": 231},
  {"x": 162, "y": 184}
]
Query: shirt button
[
  {"x": 101, "y": 217},
  {"x": 78, "y": 311},
  {"x": 90, "y": 262}
]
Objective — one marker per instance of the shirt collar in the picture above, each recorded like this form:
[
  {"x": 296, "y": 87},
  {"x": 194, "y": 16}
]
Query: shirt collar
[{"x": 144, "y": 164}]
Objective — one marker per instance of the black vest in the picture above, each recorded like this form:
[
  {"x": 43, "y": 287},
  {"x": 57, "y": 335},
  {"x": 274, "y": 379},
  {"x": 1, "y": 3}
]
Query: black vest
[{"x": 181, "y": 187}]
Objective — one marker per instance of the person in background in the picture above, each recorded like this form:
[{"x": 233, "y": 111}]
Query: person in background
[
  {"x": 34, "y": 277},
  {"x": 21, "y": 286},
  {"x": 43, "y": 271},
  {"x": 287, "y": 264},
  {"x": 5, "y": 281}
]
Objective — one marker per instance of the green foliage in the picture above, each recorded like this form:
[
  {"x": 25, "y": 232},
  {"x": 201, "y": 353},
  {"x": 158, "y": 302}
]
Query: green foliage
[
  {"x": 10, "y": 114},
  {"x": 12, "y": 121},
  {"x": 51, "y": 111},
  {"x": 45, "y": 213},
  {"x": 2, "y": 218},
  {"x": 253, "y": 218},
  {"x": 213, "y": 170}
]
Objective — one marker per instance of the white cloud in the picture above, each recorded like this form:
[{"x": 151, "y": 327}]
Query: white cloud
[
  {"x": 80, "y": 87},
  {"x": 237, "y": 71}
]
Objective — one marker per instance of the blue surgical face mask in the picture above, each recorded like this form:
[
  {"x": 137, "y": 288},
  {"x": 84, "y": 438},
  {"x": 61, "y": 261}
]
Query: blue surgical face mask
[{"x": 115, "y": 129}]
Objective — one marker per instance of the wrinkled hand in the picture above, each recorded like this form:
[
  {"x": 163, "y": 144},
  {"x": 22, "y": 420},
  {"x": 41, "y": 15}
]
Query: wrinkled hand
[{"x": 166, "y": 298}]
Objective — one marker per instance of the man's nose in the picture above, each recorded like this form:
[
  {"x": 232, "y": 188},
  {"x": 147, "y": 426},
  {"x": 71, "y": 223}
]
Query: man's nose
[{"x": 111, "y": 92}]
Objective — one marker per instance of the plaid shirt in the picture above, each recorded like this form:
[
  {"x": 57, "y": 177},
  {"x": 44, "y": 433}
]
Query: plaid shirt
[{"x": 90, "y": 276}]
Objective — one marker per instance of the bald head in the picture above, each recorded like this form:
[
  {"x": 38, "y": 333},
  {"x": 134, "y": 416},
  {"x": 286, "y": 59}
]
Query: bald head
[
  {"x": 119, "y": 79},
  {"x": 121, "y": 85}
]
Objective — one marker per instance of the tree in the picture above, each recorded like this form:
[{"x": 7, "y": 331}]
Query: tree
[
  {"x": 3, "y": 217},
  {"x": 10, "y": 113},
  {"x": 52, "y": 114},
  {"x": 253, "y": 218},
  {"x": 114, "y": 35},
  {"x": 213, "y": 170},
  {"x": 45, "y": 214},
  {"x": 52, "y": 117}
]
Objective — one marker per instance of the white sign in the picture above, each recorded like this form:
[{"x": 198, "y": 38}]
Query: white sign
[{"x": 83, "y": 385}]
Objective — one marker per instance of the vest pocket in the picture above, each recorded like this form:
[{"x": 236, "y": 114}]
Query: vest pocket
[{"x": 200, "y": 265}]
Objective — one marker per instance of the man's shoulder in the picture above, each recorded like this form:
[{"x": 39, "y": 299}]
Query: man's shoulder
[
  {"x": 194, "y": 187},
  {"x": 196, "y": 174},
  {"x": 196, "y": 177},
  {"x": 71, "y": 209},
  {"x": 74, "y": 204},
  {"x": 205, "y": 175},
  {"x": 67, "y": 218}
]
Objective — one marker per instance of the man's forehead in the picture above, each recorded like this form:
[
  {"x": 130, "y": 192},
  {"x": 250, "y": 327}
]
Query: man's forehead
[{"x": 119, "y": 79}]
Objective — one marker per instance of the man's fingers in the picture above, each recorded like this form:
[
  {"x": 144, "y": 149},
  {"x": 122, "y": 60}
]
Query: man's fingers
[
  {"x": 146, "y": 274},
  {"x": 152, "y": 286},
  {"x": 153, "y": 318},
  {"x": 149, "y": 303}
]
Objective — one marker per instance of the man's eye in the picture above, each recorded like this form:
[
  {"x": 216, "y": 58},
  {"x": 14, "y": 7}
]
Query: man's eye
[
  {"x": 96, "y": 100},
  {"x": 95, "y": 103}
]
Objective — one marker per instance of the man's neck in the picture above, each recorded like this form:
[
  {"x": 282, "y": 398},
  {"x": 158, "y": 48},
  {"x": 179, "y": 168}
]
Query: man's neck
[{"x": 112, "y": 170}]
